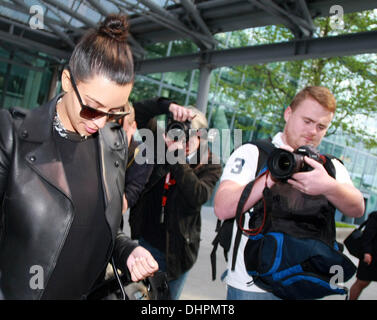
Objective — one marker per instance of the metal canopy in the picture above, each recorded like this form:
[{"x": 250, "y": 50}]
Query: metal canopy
[
  {"x": 301, "y": 49},
  {"x": 165, "y": 20}
]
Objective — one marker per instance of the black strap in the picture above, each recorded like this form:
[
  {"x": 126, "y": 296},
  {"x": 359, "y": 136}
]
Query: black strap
[
  {"x": 222, "y": 237},
  {"x": 265, "y": 147},
  {"x": 215, "y": 244},
  {"x": 239, "y": 217},
  {"x": 362, "y": 225}
]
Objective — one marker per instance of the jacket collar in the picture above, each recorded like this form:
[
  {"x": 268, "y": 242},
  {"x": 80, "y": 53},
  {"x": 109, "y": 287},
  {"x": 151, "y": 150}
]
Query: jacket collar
[
  {"x": 44, "y": 158},
  {"x": 37, "y": 127}
]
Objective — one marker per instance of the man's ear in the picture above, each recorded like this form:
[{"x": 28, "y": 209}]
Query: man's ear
[
  {"x": 66, "y": 81},
  {"x": 287, "y": 113}
]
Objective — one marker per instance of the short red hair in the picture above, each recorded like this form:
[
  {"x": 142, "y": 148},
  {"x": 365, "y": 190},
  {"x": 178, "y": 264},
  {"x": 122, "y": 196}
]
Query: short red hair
[{"x": 321, "y": 94}]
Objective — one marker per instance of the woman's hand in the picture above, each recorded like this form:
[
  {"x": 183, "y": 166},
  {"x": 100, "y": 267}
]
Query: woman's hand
[{"x": 141, "y": 264}]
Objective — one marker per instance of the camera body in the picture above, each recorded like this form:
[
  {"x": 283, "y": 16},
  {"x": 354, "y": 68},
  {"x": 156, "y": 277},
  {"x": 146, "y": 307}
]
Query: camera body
[
  {"x": 283, "y": 164},
  {"x": 177, "y": 130}
]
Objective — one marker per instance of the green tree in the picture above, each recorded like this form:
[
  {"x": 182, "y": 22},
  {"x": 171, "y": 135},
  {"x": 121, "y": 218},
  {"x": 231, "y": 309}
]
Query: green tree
[{"x": 263, "y": 91}]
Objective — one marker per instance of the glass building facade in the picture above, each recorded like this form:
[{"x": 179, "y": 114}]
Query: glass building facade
[{"x": 25, "y": 80}]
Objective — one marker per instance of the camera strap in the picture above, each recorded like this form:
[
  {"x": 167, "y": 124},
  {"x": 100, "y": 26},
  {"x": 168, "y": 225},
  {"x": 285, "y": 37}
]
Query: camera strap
[{"x": 168, "y": 182}]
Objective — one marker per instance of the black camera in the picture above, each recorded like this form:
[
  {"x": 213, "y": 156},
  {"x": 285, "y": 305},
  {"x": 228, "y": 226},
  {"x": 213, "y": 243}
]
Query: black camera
[
  {"x": 177, "y": 130},
  {"x": 283, "y": 164}
]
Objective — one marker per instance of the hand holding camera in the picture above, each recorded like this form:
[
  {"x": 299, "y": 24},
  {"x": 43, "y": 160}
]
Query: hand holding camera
[
  {"x": 177, "y": 132},
  {"x": 181, "y": 114},
  {"x": 303, "y": 169},
  {"x": 178, "y": 127}
]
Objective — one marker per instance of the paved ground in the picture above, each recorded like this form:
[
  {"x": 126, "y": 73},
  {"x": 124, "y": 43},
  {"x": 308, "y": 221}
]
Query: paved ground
[{"x": 199, "y": 285}]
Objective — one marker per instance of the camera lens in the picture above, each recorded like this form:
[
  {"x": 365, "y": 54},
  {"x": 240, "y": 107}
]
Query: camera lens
[
  {"x": 284, "y": 163},
  {"x": 281, "y": 164},
  {"x": 176, "y": 131}
]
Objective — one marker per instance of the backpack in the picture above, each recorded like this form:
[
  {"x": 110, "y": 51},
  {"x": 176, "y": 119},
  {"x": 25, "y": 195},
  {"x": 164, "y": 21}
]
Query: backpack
[
  {"x": 296, "y": 268},
  {"x": 224, "y": 228}
]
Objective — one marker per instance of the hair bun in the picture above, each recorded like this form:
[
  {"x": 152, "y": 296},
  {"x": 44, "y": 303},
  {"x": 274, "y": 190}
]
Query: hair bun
[{"x": 115, "y": 27}]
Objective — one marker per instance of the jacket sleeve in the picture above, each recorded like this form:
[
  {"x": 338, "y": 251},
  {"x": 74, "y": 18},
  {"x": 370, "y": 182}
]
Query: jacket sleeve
[
  {"x": 370, "y": 232},
  {"x": 6, "y": 147},
  {"x": 122, "y": 250},
  {"x": 196, "y": 188},
  {"x": 137, "y": 175},
  {"x": 148, "y": 109}
]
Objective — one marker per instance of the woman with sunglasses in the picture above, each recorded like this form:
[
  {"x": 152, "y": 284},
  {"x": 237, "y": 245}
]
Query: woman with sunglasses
[{"x": 62, "y": 178}]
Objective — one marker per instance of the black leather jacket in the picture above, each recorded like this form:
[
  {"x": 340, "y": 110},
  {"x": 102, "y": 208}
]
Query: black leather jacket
[{"x": 36, "y": 206}]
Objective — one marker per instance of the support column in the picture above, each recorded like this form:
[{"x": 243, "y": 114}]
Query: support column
[
  {"x": 192, "y": 76},
  {"x": 6, "y": 80},
  {"x": 33, "y": 85},
  {"x": 161, "y": 85},
  {"x": 203, "y": 89},
  {"x": 53, "y": 84}
]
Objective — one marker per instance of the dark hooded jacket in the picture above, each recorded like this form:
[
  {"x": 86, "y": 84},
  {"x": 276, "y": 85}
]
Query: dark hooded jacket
[{"x": 194, "y": 185}]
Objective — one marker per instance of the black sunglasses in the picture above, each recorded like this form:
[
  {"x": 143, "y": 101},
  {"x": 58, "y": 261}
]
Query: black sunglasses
[{"x": 90, "y": 113}]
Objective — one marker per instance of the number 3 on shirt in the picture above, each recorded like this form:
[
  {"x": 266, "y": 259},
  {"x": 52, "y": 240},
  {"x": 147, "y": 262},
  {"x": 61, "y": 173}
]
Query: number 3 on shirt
[{"x": 237, "y": 166}]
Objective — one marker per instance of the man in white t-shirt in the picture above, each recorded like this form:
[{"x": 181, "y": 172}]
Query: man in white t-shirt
[{"x": 307, "y": 120}]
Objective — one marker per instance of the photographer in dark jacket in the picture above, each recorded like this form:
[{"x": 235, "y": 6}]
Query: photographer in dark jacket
[
  {"x": 166, "y": 218},
  {"x": 367, "y": 270}
]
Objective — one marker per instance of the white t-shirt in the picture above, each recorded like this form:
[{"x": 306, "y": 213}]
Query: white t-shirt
[{"x": 241, "y": 168}]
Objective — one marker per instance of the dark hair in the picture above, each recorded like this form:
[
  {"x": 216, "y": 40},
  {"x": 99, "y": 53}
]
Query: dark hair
[{"x": 104, "y": 52}]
